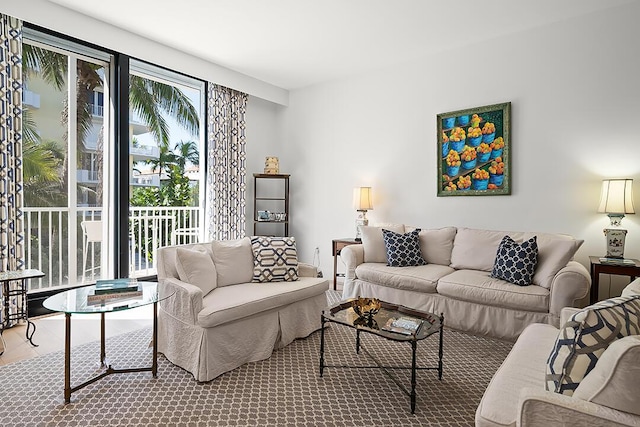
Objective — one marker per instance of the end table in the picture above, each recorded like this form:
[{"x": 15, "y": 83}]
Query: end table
[
  {"x": 337, "y": 246},
  {"x": 598, "y": 267}
]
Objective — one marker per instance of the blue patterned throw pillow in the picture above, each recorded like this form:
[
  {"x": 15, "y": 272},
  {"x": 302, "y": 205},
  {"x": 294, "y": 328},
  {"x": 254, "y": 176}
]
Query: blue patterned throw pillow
[
  {"x": 275, "y": 259},
  {"x": 516, "y": 263},
  {"x": 403, "y": 250}
]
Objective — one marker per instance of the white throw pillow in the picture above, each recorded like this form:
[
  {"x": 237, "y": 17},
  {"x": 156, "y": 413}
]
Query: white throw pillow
[
  {"x": 436, "y": 245},
  {"x": 196, "y": 268},
  {"x": 475, "y": 249},
  {"x": 233, "y": 260},
  {"x": 373, "y": 242},
  {"x": 554, "y": 252}
]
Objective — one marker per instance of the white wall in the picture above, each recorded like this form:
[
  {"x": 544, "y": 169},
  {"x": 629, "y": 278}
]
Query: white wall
[{"x": 575, "y": 97}]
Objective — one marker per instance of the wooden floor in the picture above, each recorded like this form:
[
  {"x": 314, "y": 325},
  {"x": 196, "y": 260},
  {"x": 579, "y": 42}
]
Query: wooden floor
[{"x": 49, "y": 335}]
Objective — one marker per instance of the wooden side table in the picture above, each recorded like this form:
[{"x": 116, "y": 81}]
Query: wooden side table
[
  {"x": 337, "y": 245},
  {"x": 598, "y": 267}
]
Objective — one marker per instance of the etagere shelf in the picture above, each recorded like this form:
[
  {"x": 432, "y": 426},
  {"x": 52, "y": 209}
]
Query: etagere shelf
[{"x": 272, "y": 197}]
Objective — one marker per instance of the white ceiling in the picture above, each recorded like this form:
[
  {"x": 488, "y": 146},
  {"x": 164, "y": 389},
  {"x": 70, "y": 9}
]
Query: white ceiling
[{"x": 296, "y": 43}]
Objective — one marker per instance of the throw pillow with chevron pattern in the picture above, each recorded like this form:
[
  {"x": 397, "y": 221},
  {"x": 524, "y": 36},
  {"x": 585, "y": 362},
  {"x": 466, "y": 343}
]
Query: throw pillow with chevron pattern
[
  {"x": 275, "y": 259},
  {"x": 585, "y": 336},
  {"x": 403, "y": 250}
]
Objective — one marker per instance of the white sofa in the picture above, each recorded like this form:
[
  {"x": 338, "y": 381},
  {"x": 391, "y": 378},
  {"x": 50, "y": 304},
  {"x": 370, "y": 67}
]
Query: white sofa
[
  {"x": 217, "y": 321},
  {"x": 607, "y": 396},
  {"x": 456, "y": 279}
]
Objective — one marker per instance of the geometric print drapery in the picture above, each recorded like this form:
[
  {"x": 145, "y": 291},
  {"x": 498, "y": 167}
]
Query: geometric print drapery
[
  {"x": 11, "y": 188},
  {"x": 226, "y": 163}
]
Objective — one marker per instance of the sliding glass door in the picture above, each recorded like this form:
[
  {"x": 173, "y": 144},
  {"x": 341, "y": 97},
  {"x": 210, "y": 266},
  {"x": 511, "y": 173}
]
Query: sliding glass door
[{"x": 66, "y": 135}]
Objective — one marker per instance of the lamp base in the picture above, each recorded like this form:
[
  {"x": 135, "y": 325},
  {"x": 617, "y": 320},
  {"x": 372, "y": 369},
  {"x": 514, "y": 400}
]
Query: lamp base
[
  {"x": 615, "y": 242},
  {"x": 361, "y": 221}
]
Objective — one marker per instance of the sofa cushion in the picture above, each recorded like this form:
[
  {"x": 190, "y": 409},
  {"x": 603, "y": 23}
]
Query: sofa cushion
[
  {"x": 584, "y": 338},
  {"x": 554, "y": 252},
  {"x": 521, "y": 369},
  {"x": 230, "y": 303},
  {"x": 373, "y": 242},
  {"x": 476, "y": 249},
  {"x": 421, "y": 278},
  {"x": 403, "y": 250},
  {"x": 196, "y": 268},
  {"x": 233, "y": 260},
  {"x": 479, "y": 287},
  {"x": 436, "y": 245},
  {"x": 516, "y": 262},
  {"x": 275, "y": 259},
  {"x": 614, "y": 380}
]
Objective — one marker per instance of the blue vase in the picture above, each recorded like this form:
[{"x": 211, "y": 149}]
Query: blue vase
[
  {"x": 457, "y": 145},
  {"x": 480, "y": 184},
  {"x": 453, "y": 170},
  {"x": 463, "y": 120},
  {"x": 489, "y": 137},
  {"x": 496, "y": 179},
  {"x": 474, "y": 141},
  {"x": 448, "y": 122},
  {"x": 470, "y": 164},
  {"x": 496, "y": 153},
  {"x": 483, "y": 157},
  {"x": 445, "y": 149}
]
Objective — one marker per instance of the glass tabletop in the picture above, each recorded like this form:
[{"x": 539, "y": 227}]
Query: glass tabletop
[
  {"x": 84, "y": 299},
  {"x": 383, "y": 322}
]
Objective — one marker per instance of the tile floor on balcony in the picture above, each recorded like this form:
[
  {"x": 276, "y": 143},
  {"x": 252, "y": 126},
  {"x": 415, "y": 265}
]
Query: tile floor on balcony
[{"x": 85, "y": 328}]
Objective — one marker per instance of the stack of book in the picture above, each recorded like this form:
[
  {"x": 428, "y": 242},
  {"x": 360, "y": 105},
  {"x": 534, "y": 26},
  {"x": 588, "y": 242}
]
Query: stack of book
[
  {"x": 617, "y": 261},
  {"x": 110, "y": 290},
  {"x": 402, "y": 325}
]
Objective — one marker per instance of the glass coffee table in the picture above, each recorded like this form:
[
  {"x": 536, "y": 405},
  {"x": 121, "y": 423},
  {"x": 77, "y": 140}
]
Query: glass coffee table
[
  {"x": 77, "y": 301},
  {"x": 393, "y": 322}
]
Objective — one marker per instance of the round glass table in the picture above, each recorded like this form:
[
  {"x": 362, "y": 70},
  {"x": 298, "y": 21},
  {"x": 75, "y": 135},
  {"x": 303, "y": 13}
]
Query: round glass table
[{"x": 86, "y": 300}]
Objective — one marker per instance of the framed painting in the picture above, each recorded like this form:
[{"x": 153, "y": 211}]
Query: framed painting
[{"x": 474, "y": 148}]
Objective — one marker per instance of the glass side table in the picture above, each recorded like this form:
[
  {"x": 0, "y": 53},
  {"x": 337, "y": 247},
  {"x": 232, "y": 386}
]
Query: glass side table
[
  {"x": 12, "y": 312},
  {"x": 75, "y": 301}
]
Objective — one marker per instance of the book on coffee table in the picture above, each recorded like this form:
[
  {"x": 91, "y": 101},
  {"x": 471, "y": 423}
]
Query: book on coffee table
[
  {"x": 617, "y": 261},
  {"x": 402, "y": 325}
]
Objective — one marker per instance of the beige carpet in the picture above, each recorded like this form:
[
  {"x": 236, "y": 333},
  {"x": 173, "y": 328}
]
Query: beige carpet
[{"x": 285, "y": 390}]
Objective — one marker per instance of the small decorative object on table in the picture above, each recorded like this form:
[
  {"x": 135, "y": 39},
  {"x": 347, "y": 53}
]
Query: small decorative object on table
[
  {"x": 272, "y": 166},
  {"x": 366, "y": 307}
]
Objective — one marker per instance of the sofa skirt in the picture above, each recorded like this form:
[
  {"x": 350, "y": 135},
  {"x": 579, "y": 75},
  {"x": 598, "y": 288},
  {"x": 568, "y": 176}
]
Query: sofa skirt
[
  {"x": 210, "y": 352},
  {"x": 498, "y": 322}
]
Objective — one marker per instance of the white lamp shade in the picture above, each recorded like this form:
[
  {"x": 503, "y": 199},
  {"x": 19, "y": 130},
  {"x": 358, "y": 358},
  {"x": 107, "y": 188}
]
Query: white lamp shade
[
  {"x": 362, "y": 199},
  {"x": 616, "y": 196}
]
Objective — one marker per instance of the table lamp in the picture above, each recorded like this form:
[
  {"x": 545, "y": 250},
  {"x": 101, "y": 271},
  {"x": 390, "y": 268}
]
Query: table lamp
[
  {"x": 362, "y": 202},
  {"x": 616, "y": 200}
]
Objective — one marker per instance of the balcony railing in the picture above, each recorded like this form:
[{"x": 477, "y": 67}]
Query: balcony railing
[{"x": 56, "y": 245}]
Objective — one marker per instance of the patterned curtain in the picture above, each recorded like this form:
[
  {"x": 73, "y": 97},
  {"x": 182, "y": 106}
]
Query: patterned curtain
[
  {"x": 226, "y": 163},
  {"x": 11, "y": 227}
]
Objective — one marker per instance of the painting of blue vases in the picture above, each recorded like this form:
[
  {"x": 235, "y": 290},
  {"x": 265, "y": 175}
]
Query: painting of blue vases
[{"x": 474, "y": 148}]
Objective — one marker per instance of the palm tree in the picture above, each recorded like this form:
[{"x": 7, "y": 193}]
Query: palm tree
[{"x": 186, "y": 151}]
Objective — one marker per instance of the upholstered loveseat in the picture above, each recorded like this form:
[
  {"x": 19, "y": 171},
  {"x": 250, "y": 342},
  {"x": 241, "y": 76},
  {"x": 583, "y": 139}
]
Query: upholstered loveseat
[
  {"x": 220, "y": 317},
  {"x": 456, "y": 279},
  {"x": 586, "y": 373}
]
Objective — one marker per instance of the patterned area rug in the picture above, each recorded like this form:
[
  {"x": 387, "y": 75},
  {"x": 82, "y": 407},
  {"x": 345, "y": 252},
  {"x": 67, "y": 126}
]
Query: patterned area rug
[{"x": 284, "y": 390}]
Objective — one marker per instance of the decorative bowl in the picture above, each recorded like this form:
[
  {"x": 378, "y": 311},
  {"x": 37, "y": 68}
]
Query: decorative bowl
[{"x": 366, "y": 307}]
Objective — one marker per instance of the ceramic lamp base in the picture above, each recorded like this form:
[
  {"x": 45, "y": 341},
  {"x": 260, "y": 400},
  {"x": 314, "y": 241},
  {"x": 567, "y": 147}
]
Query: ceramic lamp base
[
  {"x": 361, "y": 221},
  {"x": 615, "y": 242}
]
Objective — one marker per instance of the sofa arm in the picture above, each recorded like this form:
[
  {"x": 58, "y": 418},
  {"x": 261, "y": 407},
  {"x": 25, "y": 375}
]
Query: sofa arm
[
  {"x": 352, "y": 256},
  {"x": 545, "y": 408},
  {"x": 307, "y": 270},
  {"x": 566, "y": 313},
  {"x": 568, "y": 287},
  {"x": 186, "y": 302}
]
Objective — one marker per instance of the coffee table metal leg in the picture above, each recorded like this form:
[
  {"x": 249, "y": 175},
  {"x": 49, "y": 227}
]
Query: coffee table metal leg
[
  {"x": 103, "y": 351},
  {"x": 322, "y": 321},
  {"x": 154, "y": 366},
  {"x": 67, "y": 358},
  {"x": 30, "y": 336},
  {"x": 358, "y": 341},
  {"x": 414, "y": 346},
  {"x": 440, "y": 347}
]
